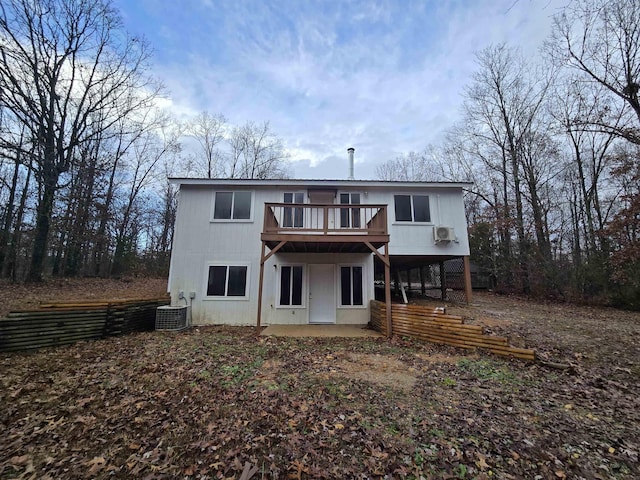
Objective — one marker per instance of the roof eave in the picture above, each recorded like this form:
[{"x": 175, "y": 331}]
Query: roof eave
[{"x": 312, "y": 182}]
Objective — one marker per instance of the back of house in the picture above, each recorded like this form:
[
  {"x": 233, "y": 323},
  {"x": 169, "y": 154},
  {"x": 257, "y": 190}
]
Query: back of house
[{"x": 305, "y": 251}]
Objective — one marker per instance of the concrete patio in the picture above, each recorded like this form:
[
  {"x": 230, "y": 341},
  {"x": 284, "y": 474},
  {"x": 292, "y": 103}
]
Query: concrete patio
[{"x": 320, "y": 331}]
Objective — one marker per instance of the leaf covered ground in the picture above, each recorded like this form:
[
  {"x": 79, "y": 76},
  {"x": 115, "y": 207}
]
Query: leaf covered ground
[{"x": 205, "y": 402}]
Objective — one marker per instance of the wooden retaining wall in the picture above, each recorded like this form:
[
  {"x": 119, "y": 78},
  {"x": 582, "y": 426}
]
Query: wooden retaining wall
[
  {"x": 64, "y": 323},
  {"x": 425, "y": 323}
]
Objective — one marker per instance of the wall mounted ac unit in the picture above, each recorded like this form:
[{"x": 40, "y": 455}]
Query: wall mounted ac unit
[
  {"x": 444, "y": 234},
  {"x": 172, "y": 318}
]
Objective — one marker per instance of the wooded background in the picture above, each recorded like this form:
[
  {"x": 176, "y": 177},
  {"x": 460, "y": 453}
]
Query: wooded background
[{"x": 552, "y": 144}]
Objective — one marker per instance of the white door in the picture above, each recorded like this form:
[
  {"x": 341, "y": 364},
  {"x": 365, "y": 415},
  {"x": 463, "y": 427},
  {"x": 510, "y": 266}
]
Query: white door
[
  {"x": 322, "y": 294},
  {"x": 322, "y": 197}
]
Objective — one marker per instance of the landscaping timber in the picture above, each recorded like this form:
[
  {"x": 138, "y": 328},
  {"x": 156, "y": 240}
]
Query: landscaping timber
[
  {"x": 69, "y": 322},
  {"x": 428, "y": 324}
]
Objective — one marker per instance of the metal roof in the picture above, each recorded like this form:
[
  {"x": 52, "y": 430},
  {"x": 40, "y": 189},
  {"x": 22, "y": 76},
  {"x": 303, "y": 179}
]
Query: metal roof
[{"x": 279, "y": 182}]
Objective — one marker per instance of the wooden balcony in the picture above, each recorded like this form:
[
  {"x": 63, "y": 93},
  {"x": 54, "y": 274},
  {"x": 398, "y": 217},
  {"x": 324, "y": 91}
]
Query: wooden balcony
[{"x": 324, "y": 228}]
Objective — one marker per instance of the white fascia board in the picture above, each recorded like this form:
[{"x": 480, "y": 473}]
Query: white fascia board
[{"x": 306, "y": 183}]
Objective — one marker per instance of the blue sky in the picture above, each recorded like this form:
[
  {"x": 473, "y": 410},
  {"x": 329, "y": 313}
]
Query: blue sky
[{"x": 385, "y": 77}]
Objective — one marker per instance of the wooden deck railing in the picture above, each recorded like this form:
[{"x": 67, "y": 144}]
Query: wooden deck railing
[{"x": 325, "y": 219}]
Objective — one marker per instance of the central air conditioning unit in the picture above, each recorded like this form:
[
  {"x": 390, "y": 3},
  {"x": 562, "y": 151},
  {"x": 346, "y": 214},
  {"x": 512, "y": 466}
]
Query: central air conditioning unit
[
  {"x": 444, "y": 234},
  {"x": 172, "y": 318}
]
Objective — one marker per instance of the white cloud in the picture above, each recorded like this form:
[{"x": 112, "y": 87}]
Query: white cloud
[{"x": 385, "y": 77}]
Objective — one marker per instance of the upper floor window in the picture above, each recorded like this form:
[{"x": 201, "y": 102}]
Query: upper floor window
[
  {"x": 412, "y": 208},
  {"x": 232, "y": 206}
]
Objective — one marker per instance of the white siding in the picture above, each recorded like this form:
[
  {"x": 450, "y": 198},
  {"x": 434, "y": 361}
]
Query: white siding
[
  {"x": 447, "y": 209},
  {"x": 200, "y": 241}
]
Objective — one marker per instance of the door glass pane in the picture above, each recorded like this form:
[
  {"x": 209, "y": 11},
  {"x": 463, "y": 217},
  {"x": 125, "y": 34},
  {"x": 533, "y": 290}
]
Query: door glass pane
[
  {"x": 421, "y": 208},
  {"x": 242, "y": 205},
  {"x": 287, "y": 220},
  {"x": 344, "y": 212},
  {"x": 296, "y": 291},
  {"x": 217, "y": 281},
  {"x": 288, "y": 213},
  {"x": 237, "y": 281},
  {"x": 222, "y": 208},
  {"x": 297, "y": 216},
  {"x": 355, "y": 212},
  {"x": 357, "y": 285},
  {"x": 285, "y": 285},
  {"x": 403, "y": 208},
  {"x": 345, "y": 285}
]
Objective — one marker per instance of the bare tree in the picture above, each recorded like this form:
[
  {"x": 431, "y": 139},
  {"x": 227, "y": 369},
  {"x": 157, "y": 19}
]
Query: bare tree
[
  {"x": 7, "y": 215},
  {"x": 208, "y": 130},
  {"x": 540, "y": 161},
  {"x": 146, "y": 156},
  {"x": 256, "y": 152},
  {"x": 78, "y": 199},
  {"x": 11, "y": 263},
  {"x": 601, "y": 40},
  {"x": 588, "y": 150},
  {"x": 501, "y": 106},
  {"x": 61, "y": 62},
  {"x": 624, "y": 229},
  {"x": 414, "y": 166}
]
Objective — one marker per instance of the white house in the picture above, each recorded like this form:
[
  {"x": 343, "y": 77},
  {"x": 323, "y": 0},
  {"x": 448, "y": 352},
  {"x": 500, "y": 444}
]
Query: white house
[{"x": 304, "y": 251}]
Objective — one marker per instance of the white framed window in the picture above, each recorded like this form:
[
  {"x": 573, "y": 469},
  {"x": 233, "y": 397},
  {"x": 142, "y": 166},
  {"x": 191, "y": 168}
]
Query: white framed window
[
  {"x": 233, "y": 206},
  {"x": 226, "y": 281},
  {"x": 351, "y": 285},
  {"x": 291, "y": 286},
  {"x": 412, "y": 208},
  {"x": 349, "y": 217},
  {"x": 293, "y": 216}
]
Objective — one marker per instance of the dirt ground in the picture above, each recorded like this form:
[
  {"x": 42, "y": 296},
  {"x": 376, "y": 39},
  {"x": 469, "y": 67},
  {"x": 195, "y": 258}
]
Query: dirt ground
[
  {"x": 206, "y": 402},
  {"x": 584, "y": 335},
  {"x": 28, "y": 296}
]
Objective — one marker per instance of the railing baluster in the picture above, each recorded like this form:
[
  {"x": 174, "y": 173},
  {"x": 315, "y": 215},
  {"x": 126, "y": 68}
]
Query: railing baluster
[{"x": 325, "y": 219}]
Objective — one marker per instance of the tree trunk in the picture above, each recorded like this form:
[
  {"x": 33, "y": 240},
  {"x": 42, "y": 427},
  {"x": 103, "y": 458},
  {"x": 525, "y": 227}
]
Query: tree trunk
[
  {"x": 504, "y": 229},
  {"x": 43, "y": 221},
  {"x": 10, "y": 267},
  {"x": 80, "y": 232},
  {"x": 8, "y": 218},
  {"x": 100, "y": 253}
]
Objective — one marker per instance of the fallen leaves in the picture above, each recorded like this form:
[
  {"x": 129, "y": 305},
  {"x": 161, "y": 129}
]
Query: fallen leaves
[
  {"x": 94, "y": 465},
  {"x": 206, "y": 403},
  {"x": 481, "y": 462}
]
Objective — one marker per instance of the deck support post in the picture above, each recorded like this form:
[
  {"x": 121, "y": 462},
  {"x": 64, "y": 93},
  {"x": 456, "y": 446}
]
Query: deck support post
[
  {"x": 468, "y": 290},
  {"x": 443, "y": 283},
  {"x": 263, "y": 259},
  {"x": 385, "y": 259},
  {"x": 387, "y": 289},
  {"x": 260, "y": 282}
]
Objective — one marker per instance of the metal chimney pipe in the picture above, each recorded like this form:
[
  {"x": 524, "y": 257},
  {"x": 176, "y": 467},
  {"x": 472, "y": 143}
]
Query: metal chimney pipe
[{"x": 350, "y": 151}]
